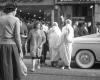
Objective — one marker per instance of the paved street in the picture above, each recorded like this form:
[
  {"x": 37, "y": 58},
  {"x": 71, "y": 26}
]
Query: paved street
[{"x": 50, "y": 73}]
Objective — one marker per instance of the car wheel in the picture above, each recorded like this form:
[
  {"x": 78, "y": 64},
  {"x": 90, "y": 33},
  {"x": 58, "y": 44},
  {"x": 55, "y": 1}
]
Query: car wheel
[{"x": 85, "y": 59}]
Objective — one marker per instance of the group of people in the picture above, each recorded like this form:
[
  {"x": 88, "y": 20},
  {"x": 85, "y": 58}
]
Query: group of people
[
  {"x": 59, "y": 41},
  {"x": 82, "y": 29},
  {"x": 55, "y": 40}
]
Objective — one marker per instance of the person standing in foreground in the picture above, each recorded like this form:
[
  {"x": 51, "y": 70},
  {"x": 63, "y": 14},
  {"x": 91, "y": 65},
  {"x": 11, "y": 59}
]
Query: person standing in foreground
[
  {"x": 10, "y": 44},
  {"x": 66, "y": 41},
  {"x": 37, "y": 39}
]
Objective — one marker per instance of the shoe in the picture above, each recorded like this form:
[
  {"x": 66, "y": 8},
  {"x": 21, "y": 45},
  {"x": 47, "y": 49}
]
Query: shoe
[
  {"x": 38, "y": 67},
  {"x": 63, "y": 67},
  {"x": 69, "y": 68},
  {"x": 54, "y": 63},
  {"x": 33, "y": 70}
]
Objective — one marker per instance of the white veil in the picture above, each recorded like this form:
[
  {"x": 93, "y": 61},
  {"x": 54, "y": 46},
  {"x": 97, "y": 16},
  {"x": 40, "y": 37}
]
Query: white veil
[{"x": 56, "y": 29}]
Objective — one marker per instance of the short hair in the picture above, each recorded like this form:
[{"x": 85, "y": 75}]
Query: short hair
[
  {"x": 36, "y": 23},
  {"x": 9, "y": 7}
]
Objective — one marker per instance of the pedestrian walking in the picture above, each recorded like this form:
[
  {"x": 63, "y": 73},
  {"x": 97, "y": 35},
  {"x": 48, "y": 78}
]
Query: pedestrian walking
[
  {"x": 37, "y": 39},
  {"x": 10, "y": 44}
]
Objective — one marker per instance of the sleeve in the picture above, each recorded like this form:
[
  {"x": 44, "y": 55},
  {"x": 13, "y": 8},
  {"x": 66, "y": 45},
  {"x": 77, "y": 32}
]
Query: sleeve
[
  {"x": 70, "y": 35},
  {"x": 17, "y": 35},
  {"x": 86, "y": 32},
  {"x": 62, "y": 38}
]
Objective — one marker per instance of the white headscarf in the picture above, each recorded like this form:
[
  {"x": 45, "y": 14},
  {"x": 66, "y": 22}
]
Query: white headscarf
[
  {"x": 45, "y": 28},
  {"x": 69, "y": 22},
  {"x": 56, "y": 29}
]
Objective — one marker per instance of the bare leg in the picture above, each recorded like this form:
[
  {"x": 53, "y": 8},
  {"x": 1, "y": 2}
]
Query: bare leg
[
  {"x": 38, "y": 66},
  {"x": 33, "y": 64}
]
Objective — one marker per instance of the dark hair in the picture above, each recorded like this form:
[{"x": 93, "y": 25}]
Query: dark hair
[
  {"x": 9, "y": 7},
  {"x": 36, "y": 23}
]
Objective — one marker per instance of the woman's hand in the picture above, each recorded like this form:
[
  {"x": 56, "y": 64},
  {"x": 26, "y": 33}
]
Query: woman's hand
[{"x": 40, "y": 46}]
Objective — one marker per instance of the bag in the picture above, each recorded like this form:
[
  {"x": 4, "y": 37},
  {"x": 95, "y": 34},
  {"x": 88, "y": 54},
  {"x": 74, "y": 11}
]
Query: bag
[{"x": 23, "y": 67}]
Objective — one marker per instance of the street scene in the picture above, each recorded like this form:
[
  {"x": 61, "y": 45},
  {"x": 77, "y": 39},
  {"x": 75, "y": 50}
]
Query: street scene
[{"x": 49, "y": 39}]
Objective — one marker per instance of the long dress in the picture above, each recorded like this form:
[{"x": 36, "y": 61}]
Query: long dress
[
  {"x": 36, "y": 39},
  {"x": 54, "y": 36}
]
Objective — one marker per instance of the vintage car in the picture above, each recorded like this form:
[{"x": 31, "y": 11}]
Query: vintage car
[{"x": 86, "y": 50}]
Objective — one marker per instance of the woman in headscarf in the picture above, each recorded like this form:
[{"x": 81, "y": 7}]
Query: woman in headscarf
[{"x": 53, "y": 37}]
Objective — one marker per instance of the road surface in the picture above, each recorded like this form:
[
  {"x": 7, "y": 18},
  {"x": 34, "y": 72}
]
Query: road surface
[{"x": 53, "y": 73}]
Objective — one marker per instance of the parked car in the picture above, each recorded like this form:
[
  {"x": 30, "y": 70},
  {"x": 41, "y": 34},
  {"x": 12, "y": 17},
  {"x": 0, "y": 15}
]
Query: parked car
[{"x": 86, "y": 50}]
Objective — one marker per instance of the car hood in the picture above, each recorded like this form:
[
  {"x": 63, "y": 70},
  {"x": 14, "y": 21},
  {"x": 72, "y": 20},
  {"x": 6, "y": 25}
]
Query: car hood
[{"x": 88, "y": 39}]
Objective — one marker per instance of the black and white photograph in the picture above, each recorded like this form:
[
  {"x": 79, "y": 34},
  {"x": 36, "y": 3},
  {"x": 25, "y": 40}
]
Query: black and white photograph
[{"x": 49, "y": 39}]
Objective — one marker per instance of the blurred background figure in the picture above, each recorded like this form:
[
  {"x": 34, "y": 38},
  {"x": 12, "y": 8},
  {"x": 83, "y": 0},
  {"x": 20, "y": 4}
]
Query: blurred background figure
[
  {"x": 76, "y": 29},
  {"x": 45, "y": 27},
  {"x": 89, "y": 25},
  {"x": 24, "y": 33},
  {"x": 83, "y": 29},
  {"x": 2, "y": 13},
  {"x": 45, "y": 48},
  {"x": 62, "y": 21},
  {"x": 98, "y": 27}
]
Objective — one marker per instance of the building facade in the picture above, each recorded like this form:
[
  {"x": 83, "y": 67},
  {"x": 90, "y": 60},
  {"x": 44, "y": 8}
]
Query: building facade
[
  {"x": 34, "y": 9},
  {"x": 52, "y": 10},
  {"x": 79, "y": 10}
]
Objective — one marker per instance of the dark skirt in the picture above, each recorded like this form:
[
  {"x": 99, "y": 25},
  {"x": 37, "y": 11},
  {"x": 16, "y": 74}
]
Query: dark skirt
[{"x": 9, "y": 62}]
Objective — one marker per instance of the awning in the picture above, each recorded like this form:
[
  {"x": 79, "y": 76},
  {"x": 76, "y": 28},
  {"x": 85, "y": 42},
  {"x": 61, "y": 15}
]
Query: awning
[
  {"x": 35, "y": 7},
  {"x": 76, "y": 2}
]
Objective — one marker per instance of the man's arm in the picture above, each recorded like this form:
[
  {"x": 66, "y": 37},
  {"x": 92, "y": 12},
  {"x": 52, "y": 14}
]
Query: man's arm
[{"x": 18, "y": 37}]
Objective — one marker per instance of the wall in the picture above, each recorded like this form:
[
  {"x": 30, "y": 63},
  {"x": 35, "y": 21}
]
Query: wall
[{"x": 97, "y": 13}]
